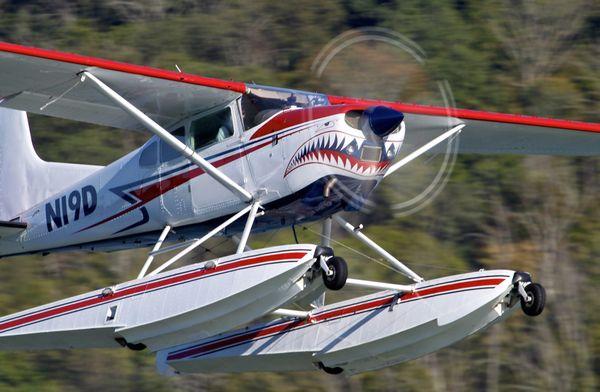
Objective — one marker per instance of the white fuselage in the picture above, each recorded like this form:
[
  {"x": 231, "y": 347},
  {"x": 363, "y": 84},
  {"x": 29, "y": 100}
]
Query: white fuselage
[{"x": 127, "y": 203}]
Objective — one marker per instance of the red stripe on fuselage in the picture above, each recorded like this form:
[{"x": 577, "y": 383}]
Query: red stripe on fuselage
[
  {"x": 152, "y": 191},
  {"x": 289, "y": 118},
  {"x": 150, "y": 286}
]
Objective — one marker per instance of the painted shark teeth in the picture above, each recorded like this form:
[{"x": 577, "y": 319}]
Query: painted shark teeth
[{"x": 340, "y": 150}]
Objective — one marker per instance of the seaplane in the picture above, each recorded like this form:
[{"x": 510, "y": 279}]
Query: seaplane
[{"x": 231, "y": 159}]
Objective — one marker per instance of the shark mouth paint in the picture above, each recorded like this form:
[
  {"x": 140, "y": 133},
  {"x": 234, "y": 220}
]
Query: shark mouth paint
[{"x": 345, "y": 152}]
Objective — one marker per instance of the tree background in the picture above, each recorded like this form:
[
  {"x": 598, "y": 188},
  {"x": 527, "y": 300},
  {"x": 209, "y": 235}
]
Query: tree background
[{"x": 533, "y": 213}]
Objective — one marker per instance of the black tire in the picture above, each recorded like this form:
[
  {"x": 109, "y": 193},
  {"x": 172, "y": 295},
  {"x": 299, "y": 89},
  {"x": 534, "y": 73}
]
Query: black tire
[
  {"x": 333, "y": 370},
  {"x": 340, "y": 273},
  {"x": 538, "y": 299},
  {"x": 136, "y": 346}
]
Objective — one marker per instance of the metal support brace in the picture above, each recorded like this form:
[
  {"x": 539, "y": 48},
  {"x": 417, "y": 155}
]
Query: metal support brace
[
  {"x": 291, "y": 313},
  {"x": 248, "y": 227},
  {"x": 325, "y": 241},
  {"x": 324, "y": 266},
  {"x": 237, "y": 240},
  {"x": 156, "y": 247},
  {"x": 168, "y": 138},
  {"x": 171, "y": 248},
  {"x": 326, "y": 232},
  {"x": 423, "y": 149},
  {"x": 368, "y": 284},
  {"x": 521, "y": 289},
  {"x": 198, "y": 242},
  {"x": 382, "y": 252},
  {"x": 394, "y": 302}
]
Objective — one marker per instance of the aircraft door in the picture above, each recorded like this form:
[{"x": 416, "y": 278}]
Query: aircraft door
[
  {"x": 215, "y": 136},
  {"x": 175, "y": 195},
  {"x": 264, "y": 156}
]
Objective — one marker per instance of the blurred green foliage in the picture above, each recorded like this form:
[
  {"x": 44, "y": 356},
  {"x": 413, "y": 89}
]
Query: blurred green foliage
[{"x": 534, "y": 213}]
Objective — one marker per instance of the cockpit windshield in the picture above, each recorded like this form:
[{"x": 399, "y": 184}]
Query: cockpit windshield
[{"x": 259, "y": 102}]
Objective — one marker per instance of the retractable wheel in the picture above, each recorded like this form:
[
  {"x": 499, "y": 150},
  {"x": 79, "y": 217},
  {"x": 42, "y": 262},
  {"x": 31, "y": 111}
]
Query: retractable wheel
[
  {"x": 534, "y": 304},
  {"x": 337, "y": 279}
]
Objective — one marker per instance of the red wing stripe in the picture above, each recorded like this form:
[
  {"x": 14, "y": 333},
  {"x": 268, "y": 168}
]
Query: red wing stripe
[
  {"x": 294, "y": 324},
  {"x": 123, "y": 67},
  {"x": 469, "y": 114},
  {"x": 286, "y": 122},
  {"x": 154, "y": 285}
]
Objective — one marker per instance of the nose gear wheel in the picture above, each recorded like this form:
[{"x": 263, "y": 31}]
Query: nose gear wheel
[
  {"x": 533, "y": 304},
  {"x": 338, "y": 273}
]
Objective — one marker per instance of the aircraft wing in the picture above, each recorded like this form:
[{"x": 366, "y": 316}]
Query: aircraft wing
[
  {"x": 493, "y": 133},
  {"x": 47, "y": 82}
]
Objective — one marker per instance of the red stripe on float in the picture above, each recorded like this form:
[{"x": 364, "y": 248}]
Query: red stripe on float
[
  {"x": 153, "y": 285},
  {"x": 321, "y": 317}
]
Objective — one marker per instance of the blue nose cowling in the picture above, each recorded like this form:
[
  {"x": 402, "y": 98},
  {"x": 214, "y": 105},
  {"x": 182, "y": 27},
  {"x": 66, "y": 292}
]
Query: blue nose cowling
[{"x": 383, "y": 120}]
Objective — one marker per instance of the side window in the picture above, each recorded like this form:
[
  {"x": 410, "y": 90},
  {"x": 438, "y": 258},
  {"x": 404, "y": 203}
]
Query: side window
[
  {"x": 167, "y": 153},
  {"x": 211, "y": 129},
  {"x": 149, "y": 156}
]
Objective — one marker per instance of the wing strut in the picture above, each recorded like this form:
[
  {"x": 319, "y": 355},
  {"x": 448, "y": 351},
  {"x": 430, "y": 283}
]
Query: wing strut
[
  {"x": 168, "y": 138},
  {"x": 423, "y": 149}
]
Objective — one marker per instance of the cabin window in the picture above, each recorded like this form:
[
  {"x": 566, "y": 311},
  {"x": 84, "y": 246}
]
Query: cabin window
[
  {"x": 211, "y": 129},
  {"x": 260, "y": 103},
  {"x": 353, "y": 118},
  {"x": 149, "y": 156},
  {"x": 168, "y": 153}
]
